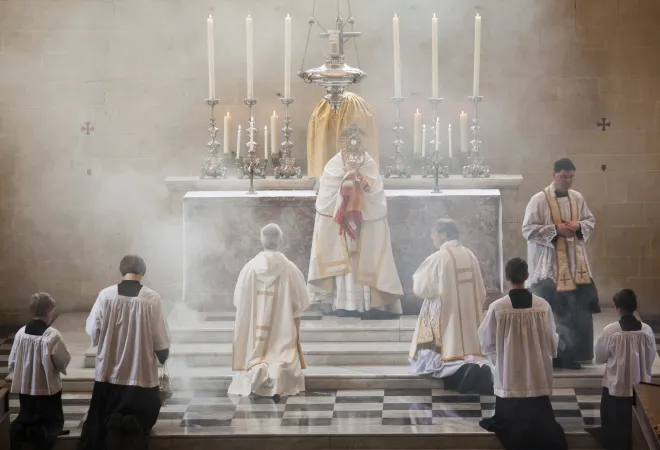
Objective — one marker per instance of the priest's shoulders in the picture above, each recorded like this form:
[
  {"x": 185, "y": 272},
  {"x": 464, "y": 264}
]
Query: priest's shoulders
[
  {"x": 503, "y": 303},
  {"x": 615, "y": 327},
  {"x": 111, "y": 292}
]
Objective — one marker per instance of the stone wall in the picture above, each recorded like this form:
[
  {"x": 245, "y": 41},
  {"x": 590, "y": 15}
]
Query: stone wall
[{"x": 72, "y": 204}]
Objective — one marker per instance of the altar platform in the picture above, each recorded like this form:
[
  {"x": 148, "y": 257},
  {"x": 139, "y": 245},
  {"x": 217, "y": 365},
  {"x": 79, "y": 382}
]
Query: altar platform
[{"x": 367, "y": 402}]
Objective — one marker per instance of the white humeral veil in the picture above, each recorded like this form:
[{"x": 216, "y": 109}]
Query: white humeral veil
[
  {"x": 451, "y": 284},
  {"x": 353, "y": 274},
  {"x": 269, "y": 294}
]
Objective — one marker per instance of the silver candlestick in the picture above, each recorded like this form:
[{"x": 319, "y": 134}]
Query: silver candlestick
[
  {"x": 214, "y": 166},
  {"x": 429, "y": 163},
  {"x": 433, "y": 166},
  {"x": 476, "y": 167},
  {"x": 398, "y": 166},
  {"x": 286, "y": 164},
  {"x": 251, "y": 165}
]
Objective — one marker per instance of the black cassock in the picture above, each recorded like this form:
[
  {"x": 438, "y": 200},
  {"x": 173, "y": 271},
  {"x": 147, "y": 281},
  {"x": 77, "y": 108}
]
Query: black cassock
[
  {"x": 525, "y": 423},
  {"x": 121, "y": 417},
  {"x": 40, "y": 419},
  {"x": 615, "y": 431}
]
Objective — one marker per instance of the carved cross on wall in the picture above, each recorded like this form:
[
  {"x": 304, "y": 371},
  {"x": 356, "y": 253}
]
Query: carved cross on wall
[
  {"x": 87, "y": 128},
  {"x": 603, "y": 123}
]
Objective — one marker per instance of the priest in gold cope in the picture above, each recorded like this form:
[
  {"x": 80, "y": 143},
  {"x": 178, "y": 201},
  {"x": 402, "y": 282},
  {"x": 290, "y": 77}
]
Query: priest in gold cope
[{"x": 557, "y": 225}]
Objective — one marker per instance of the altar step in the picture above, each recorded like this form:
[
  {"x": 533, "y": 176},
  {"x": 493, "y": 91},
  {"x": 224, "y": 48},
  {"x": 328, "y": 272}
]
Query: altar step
[
  {"x": 343, "y": 440},
  {"x": 315, "y": 353}
]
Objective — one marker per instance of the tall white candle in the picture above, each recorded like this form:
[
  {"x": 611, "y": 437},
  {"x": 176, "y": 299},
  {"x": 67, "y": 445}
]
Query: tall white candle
[
  {"x": 437, "y": 134},
  {"x": 464, "y": 132},
  {"x": 477, "y": 55},
  {"x": 274, "y": 145},
  {"x": 449, "y": 138},
  {"x": 211, "y": 56},
  {"x": 434, "y": 56},
  {"x": 227, "y": 118},
  {"x": 265, "y": 142},
  {"x": 250, "y": 57},
  {"x": 238, "y": 142},
  {"x": 423, "y": 140},
  {"x": 287, "y": 62},
  {"x": 417, "y": 131},
  {"x": 397, "y": 57}
]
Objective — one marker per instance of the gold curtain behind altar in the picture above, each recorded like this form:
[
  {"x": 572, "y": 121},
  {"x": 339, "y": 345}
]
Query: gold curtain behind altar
[{"x": 324, "y": 128}]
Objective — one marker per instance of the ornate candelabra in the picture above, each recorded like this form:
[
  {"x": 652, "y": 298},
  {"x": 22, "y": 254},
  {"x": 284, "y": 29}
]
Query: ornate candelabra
[
  {"x": 251, "y": 165},
  {"x": 286, "y": 164},
  {"x": 398, "y": 166},
  {"x": 214, "y": 166},
  {"x": 475, "y": 167},
  {"x": 434, "y": 165}
]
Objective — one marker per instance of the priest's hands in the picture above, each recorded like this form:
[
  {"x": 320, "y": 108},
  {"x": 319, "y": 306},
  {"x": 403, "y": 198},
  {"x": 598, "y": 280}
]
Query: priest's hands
[{"x": 568, "y": 229}]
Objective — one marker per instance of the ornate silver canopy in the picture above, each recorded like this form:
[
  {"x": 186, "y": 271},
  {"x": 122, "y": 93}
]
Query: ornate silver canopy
[{"x": 335, "y": 75}]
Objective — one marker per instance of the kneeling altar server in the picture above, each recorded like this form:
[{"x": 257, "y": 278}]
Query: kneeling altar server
[
  {"x": 270, "y": 296},
  {"x": 446, "y": 343},
  {"x": 127, "y": 326},
  {"x": 351, "y": 266},
  {"x": 519, "y": 336}
]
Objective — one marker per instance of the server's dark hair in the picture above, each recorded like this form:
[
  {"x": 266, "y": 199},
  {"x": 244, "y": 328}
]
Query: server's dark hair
[
  {"x": 41, "y": 304},
  {"x": 516, "y": 270},
  {"x": 626, "y": 301},
  {"x": 132, "y": 264}
]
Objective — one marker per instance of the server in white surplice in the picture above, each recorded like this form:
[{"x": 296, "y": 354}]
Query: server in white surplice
[
  {"x": 128, "y": 327},
  {"x": 628, "y": 349},
  {"x": 37, "y": 358},
  {"x": 445, "y": 344},
  {"x": 557, "y": 225},
  {"x": 270, "y": 297},
  {"x": 518, "y": 336}
]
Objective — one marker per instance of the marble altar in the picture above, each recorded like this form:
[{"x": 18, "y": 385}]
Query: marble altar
[{"x": 221, "y": 233}]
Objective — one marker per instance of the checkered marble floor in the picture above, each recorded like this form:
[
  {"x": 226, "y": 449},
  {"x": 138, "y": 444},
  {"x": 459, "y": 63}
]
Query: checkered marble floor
[{"x": 330, "y": 411}]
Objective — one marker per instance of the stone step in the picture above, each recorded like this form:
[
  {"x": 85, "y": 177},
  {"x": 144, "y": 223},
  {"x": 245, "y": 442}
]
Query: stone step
[
  {"x": 316, "y": 353},
  {"x": 310, "y": 331},
  {"x": 341, "y": 440}
]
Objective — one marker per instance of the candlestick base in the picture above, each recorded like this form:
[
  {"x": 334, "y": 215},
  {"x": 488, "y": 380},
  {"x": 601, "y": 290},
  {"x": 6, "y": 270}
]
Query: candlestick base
[
  {"x": 214, "y": 166},
  {"x": 476, "y": 168},
  {"x": 286, "y": 166},
  {"x": 398, "y": 166}
]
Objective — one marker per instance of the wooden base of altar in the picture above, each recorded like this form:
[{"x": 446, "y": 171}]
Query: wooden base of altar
[{"x": 221, "y": 233}]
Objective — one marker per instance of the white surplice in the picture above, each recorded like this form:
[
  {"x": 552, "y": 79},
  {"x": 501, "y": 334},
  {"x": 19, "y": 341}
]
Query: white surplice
[
  {"x": 37, "y": 362},
  {"x": 520, "y": 343},
  {"x": 629, "y": 356},
  {"x": 355, "y": 275},
  {"x": 453, "y": 290},
  {"x": 127, "y": 332},
  {"x": 269, "y": 294},
  {"x": 539, "y": 231}
]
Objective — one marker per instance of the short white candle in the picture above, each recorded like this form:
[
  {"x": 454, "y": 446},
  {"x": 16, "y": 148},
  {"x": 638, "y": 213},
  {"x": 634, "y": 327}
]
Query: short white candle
[
  {"x": 437, "y": 134},
  {"x": 287, "y": 63},
  {"x": 477, "y": 55},
  {"x": 250, "y": 57},
  {"x": 423, "y": 140},
  {"x": 397, "y": 57},
  {"x": 211, "y": 56},
  {"x": 226, "y": 127},
  {"x": 417, "y": 131},
  {"x": 266, "y": 142},
  {"x": 464, "y": 132},
  {"x": 449, "y": 138},
  {"x": 434, "y": 56},
  {"x": 238, "y": 142},
  {"x": 274, "y": 145}
]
